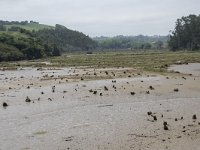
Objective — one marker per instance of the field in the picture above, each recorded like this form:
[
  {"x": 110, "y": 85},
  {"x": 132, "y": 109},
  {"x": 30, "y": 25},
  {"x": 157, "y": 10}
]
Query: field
[
  {"x": 31, "y": 26},
  {"x": 146, "y": 61},
  {"x": 105, "y": 101}
]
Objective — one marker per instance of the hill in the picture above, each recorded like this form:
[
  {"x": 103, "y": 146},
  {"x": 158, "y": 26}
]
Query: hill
[{"x": 31, "y": 40}]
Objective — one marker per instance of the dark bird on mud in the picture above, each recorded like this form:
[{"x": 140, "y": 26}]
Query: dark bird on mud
[{"x": 95, "y": 92}]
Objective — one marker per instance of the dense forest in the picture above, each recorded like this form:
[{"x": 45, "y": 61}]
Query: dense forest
[
  {"x": 186, "y": 35},
  {"x": 132, "y": 42},
  {"x": 31, "y": 40},
  {"x": 66, "y": 40}
]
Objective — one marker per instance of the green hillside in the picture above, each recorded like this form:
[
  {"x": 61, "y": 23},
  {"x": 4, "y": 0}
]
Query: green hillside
[{"x": 31, "y": 40}]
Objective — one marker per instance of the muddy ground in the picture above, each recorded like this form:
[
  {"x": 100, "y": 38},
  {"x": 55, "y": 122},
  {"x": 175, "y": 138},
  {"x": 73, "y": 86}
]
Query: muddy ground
[{"x": 91, "y": 109}]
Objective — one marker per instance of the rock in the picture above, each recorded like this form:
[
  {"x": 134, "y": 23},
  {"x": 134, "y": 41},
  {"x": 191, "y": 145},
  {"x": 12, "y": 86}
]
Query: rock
[
  {"x": 149, "y": 113},
  {"x": 132, "y": 93},
  {"x": 5, "y": 104},
  {"x": 154, "y": 118},
  {"x": 194, "y": 117},
  {"x": 166, "y": 127},
  {"x": 28, "y": 100},
  {"x": 184, "y": 78},
  {"x": 113, "y": 81},
  {"x": 151, "y": 87},
  {"x": 176, "y": 90},
  {"x": 165, "y": 123},
  {"x": 105, "y": 88},
  {"x": 176, "y": 119}
]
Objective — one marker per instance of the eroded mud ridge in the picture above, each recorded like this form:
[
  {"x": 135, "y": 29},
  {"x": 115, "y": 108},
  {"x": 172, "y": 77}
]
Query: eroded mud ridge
[{"x": 88, "y": 109}]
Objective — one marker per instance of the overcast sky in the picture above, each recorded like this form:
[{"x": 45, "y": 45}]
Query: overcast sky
[{"x": 103, "y": 17}]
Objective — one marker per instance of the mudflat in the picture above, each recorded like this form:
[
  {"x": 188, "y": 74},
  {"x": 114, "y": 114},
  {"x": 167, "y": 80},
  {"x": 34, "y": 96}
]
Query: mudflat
[{"x": 112, "y": 108}]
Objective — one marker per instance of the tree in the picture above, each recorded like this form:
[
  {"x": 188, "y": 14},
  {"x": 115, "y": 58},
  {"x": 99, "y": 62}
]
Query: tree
[
  {"x": 159, "y": 44},
  {"x": 186, "y": 34}
]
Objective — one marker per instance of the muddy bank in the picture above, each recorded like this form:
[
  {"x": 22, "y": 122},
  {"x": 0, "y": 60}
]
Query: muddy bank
[{"x": 120, "y": 108}]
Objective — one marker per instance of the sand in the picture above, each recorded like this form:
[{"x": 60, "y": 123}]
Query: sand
[{"x": 74, "y": 115}]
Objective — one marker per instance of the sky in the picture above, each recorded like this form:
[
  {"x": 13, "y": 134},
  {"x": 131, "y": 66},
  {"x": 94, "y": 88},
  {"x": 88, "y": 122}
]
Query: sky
[{"x": 103, "y": 17}]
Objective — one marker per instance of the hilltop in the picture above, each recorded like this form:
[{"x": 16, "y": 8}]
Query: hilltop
[{"x": 32, "y": 25}]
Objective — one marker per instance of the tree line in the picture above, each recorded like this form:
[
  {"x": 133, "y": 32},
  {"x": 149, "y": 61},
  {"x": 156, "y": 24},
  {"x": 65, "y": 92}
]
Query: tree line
[{"x": 132, "y": 42}]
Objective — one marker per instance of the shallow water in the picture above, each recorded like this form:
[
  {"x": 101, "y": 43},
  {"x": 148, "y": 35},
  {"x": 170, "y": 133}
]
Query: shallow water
[{"x": 191, "y": 68}]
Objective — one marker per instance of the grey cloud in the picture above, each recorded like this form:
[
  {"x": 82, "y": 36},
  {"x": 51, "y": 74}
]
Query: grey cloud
[{"x": 102, "y": 17}]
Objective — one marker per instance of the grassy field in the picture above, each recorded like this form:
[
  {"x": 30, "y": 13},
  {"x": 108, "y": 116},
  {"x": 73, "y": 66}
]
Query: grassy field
[
  {"x": 146, "y": 61},
  {"x": 154, "y": 61},
  {"x": 32, "y": 26}
]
